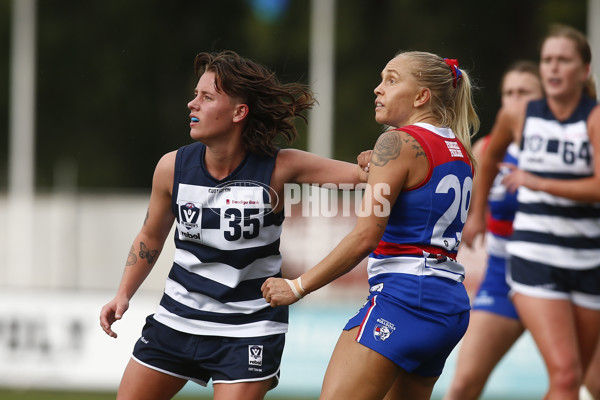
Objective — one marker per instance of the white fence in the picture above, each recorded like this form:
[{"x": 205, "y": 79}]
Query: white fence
[{"x": 81, "y": 242}]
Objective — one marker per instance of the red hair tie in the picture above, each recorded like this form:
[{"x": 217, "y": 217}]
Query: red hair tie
[{"x": 453, "y": 64}]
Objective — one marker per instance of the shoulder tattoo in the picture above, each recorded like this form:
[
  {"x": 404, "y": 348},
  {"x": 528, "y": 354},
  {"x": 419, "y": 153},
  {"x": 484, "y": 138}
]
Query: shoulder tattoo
[
  {"x": 387, "y": 148},
  {"x": 416, "y": 146},
  {"x": 389, "y": 144}
]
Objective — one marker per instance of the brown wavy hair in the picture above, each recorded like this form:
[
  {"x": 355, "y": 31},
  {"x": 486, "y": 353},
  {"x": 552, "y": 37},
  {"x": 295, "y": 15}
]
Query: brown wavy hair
[{"x": 273, "y": 106}]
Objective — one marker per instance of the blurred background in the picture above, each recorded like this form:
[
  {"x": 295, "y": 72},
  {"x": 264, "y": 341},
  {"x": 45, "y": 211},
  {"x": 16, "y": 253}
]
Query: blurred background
[{"x": 95, "y": 92}]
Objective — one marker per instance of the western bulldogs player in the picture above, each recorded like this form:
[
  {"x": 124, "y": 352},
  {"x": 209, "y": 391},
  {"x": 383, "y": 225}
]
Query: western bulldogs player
[{"x": 414, "y": 209}]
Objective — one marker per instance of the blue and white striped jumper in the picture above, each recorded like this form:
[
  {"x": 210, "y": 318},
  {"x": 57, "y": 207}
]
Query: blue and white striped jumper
[
  {"x": 548, "y": 229},
  {"x": 227, "y": 245}
]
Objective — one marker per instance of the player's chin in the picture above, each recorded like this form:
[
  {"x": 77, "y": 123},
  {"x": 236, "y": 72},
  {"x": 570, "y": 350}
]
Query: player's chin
[
  {"x": 195, "y": 134},
  {"x": 381, "y": 119}
]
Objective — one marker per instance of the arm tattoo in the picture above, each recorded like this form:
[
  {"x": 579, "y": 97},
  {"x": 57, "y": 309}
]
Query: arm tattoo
[
  {"x": 150, "y": 255},
  {"x": 131, "y": 258},
  {"x": 387, "y": 148}
]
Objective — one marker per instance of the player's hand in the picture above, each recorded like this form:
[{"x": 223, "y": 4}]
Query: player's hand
[
  {"x": 277, "y": 292},
  {"x": 111, "y": 312},
  {"x": 364, "y": 160},
  {"x": 517, "y": 177},
  {"x": 474, "y": 226}
]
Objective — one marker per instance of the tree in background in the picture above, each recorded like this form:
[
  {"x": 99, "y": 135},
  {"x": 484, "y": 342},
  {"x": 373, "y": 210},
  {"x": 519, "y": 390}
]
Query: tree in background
[{"x": 112, "y": 75}]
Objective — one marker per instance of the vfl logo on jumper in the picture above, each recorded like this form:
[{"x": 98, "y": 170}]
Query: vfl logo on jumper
[
  {"x": 454, "y": 149},
  {"x": 534, "y": 143},
  {"x": 383, "y": 329},
  {"x": 189, "y": 214},
  {"x": 189, "y": 225},
  {"x": 255, "y": 355}
]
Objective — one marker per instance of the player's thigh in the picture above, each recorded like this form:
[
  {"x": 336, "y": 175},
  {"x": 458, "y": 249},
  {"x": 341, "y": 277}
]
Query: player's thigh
[
  {"x": 593, "y": 372},
  {"x": 357, "y": 372},
  {"x": 411, "y": 387},
  {"x": 243, "y": 390},
  {"x": 550, "y": 322},
  {"x": 588, "y": 329},
  {"x": 141, "y": 382},
  {"x": 487, "y": 340}
]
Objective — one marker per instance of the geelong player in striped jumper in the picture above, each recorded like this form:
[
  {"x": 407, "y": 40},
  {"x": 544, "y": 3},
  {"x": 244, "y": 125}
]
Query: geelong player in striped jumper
[
  {"x": 554, "y": 270},
  {"x": 225, "y": 193},
  {"x": 414, "y": 209},
  {"x": 494, "y": 325}
]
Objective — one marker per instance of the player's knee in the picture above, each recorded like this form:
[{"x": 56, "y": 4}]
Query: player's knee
[
  {"x": 462, "y": 389},
  {"x": 566, "y": 379}
]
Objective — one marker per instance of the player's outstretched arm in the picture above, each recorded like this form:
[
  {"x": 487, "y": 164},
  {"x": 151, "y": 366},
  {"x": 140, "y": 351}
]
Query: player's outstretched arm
[{"x": 147, "y": 245}]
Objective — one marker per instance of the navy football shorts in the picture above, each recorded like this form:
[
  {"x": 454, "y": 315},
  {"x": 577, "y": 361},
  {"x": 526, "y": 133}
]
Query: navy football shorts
[
  {"x": 419, "y": 341},
  {"x": 201, "y": 358},
  {"x": 581, "y": 287},
  {"x": 493, "y": 294}
]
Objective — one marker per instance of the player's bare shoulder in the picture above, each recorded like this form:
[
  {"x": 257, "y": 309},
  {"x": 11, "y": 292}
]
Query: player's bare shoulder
[
  {"x": 512, "y": 117},
  {"x": 286, "y": 165},
  {"x": 165, "y": 171},
  {"x": 167, "y": 161},
  {"x": 593, "y": 122},
  {"x": 391, "y": 144}
]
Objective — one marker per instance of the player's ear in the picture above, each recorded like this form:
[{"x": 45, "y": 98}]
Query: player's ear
[
  {"x": 423, "y": 96},
  {"x": 240, "y": 112}
]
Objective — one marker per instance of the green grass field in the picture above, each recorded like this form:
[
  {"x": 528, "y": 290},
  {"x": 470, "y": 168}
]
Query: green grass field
[
  {"x": 37, "y": 395},
  {"x": 46, "y": 395}
]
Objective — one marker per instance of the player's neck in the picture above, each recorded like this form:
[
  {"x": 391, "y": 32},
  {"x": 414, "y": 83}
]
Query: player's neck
[{"x": 223, "y": 160}]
